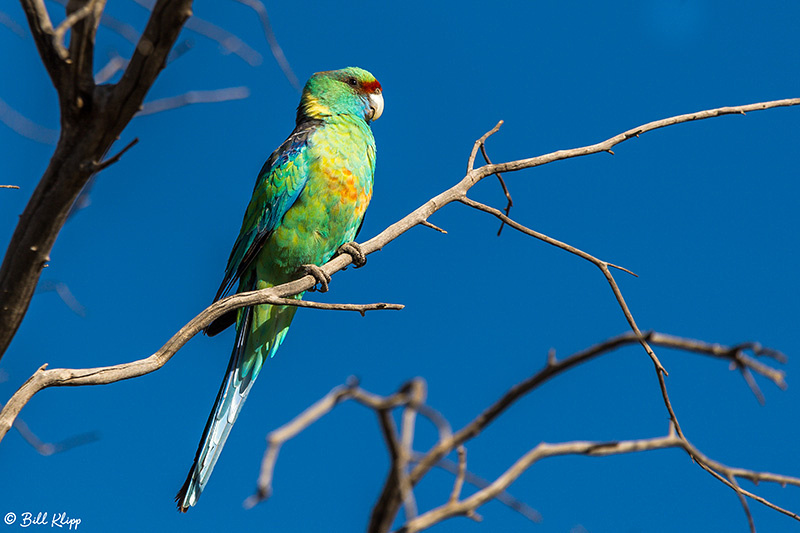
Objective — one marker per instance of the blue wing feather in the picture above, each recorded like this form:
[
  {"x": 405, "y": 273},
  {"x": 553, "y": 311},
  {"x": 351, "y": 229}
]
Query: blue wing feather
[{"x": 273, "y": 195}]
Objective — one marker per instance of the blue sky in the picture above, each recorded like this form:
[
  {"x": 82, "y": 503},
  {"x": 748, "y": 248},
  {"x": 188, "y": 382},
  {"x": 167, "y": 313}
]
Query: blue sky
[{"x": 705, "y": 213}]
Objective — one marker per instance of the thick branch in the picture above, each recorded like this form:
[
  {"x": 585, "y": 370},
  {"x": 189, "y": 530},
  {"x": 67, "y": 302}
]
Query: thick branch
[
  {"x": 43, "y": 33},
  {"x": 83, "y": 24},
  {"x": 69, "y": 377},
  {"x": 92, "y": 119}
]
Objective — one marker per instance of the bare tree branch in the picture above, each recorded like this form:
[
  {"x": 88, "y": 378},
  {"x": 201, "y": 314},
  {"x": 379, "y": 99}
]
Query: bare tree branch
[
  {"x": 63, "y": 292},
  {"x": 288, "y": 431},
  {"x": 97, "y": 166},
  {"x": 115, "y": 63},
  {"x": 12, "y": 25},
  {"x": 432, "y": 226},
  {"x": 384, "y": 512},
  {"x": 408, "y": 394},
  {"x": 229, "y": 42},
  {"x": 194, "y": 97},
  {"x": 504, "y": 497},
  {"x": 78, "y": 85},
  {"x": 510, "y": 201},
  {"x": 92, "y": 118},
  {"x": 72, "y": 19},
  {"x": 592, "y": 449},
  {"x": 77, "y": 377},
  {"x": 123, "y": 29},
  {"x": 9, "y": 186},
  {"x": 359, "y": 308},
  {"x": 43, "y": 33},
  {"x": 275, "y": 48},
  {"x": 52, "y": 448},
  {"x": 26, "y": 127},
  {"x": 411, "y": 396},
  {"x": 455, "y": 495}
]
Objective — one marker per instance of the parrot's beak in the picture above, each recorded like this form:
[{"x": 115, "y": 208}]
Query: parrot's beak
[{"x": 376, "y": 104}]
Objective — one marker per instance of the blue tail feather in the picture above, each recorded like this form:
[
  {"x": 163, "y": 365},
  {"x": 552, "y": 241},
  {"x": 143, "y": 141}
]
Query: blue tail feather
[
  {"x": 243, "y": 369},
  {"x": 231, "y": 397}
]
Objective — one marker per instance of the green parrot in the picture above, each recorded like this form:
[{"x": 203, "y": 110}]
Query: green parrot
[{"x": 308, "y": 203}]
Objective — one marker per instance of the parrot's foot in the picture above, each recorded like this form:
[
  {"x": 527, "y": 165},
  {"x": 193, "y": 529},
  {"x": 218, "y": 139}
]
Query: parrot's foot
[
  {"x": 353, "y": 249},
  {"x": 320, "y": 275}
]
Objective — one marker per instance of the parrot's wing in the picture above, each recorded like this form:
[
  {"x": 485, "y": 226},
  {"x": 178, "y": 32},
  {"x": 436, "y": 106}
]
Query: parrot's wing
[{"x": 280, "y": 182}]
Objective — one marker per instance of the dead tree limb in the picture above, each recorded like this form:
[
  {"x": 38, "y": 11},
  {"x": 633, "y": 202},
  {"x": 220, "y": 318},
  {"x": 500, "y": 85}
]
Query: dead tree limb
[
  {"x": 92, "y": 118},
  {"x": 410, "y": 398}
]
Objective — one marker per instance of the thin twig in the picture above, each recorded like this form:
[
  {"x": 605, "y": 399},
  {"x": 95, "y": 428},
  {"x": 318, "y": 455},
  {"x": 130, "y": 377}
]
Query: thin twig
[
  {"x": 113, "y": 159},
  {"x": 504, "y": 497},
  {"x": 52, "y": 448},
  {"x": 277, "y": 437},
  {"x": 462, "y": 471},
  {"x": 179, "y": 50},
  {"x": 275, "y": 48},
  {"x": 229, "y": 42},
  {"x": 337, "y": 395},
  {"x": 9, "y": 23},
  {"x": 25, "y": 126},
  {"x": 510, "y": 203},
  {"x": 72, "y": 19},
  {"x": 417, "y": 394},
  {"x": 359, "y": 308},
  {"x": 554, "y": 367},
  {"x": 194, "y": 97},
  {"x": 587, "y": 448},
  {"x": 123, "y": 29},
  {"x": 9, "y": 186},
  {"x": 602, "y": 265},
  {"x": 62, "y": 289},
  {"x": 744, "y": 503},
  {"x": 478, "y": 144},
  {"x": 115, "y": 64},
  {"x": 432, "y": 226}
]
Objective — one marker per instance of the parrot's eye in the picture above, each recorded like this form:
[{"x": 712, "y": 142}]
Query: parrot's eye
[{"x": 352, "y": 82}]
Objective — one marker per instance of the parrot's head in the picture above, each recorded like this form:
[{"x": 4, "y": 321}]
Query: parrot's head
[{"x": 349, "y": 91}]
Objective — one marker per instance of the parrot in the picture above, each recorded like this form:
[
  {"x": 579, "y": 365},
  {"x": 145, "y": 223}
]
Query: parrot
[{"x": 308, "y": 204}]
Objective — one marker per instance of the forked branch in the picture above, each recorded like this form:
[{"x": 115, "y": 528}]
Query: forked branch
[
  {"x": 44, "y": 378},
  {"x": 411, "y": 399}
]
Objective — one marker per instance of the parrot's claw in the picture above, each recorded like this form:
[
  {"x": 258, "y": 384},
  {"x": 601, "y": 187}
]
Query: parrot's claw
[
  {"x": 320, "y": 275},
  {"x": 357, "y": 255}
]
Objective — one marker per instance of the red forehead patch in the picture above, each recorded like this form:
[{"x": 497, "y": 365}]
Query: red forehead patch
[{"x": 371, "y": 86}]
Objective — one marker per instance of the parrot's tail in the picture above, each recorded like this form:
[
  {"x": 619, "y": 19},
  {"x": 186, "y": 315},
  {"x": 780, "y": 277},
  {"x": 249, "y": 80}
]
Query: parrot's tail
[{"x": 260, "y": 331}]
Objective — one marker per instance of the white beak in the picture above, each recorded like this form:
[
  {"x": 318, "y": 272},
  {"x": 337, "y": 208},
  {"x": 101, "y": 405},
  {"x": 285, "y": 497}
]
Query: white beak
[{"x": 376, "y": 104}]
